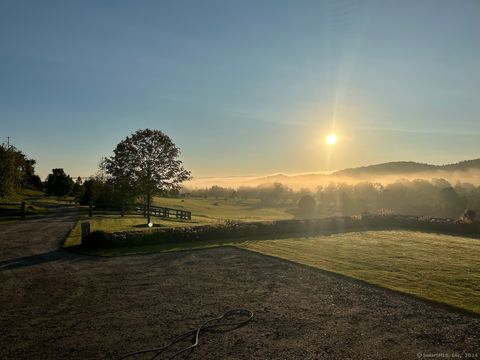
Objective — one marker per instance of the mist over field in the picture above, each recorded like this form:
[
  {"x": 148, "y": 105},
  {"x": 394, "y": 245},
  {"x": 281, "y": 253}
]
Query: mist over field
[
  {"x": 312, "y": 181},
  {"x": 398, "y": 187}
]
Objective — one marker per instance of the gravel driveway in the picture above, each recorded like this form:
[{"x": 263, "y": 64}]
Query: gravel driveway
[{"x": 59, "y": 305}]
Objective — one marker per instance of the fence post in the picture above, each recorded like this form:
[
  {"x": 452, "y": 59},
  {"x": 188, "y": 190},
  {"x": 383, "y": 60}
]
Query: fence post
[
  {"x": 122, "y": 210},
  {"x": 23, "y": 209},
  {"x": 85, "y": 231},
  {"x": 90, "y": 209}
]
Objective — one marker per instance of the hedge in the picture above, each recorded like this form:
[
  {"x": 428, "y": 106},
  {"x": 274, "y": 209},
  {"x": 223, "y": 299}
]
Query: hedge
[{"x": 278, "y": 229}]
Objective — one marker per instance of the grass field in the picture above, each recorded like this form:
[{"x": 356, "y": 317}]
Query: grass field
[
  {"x": 213, "y": 210},
  {"x": 204, "y": 212},
  {"x": 23, "y": 195},
  {"x": 433, "y": 266},
  {"x": 114, "y": 222},
  {"x": 438, "y": 267}
]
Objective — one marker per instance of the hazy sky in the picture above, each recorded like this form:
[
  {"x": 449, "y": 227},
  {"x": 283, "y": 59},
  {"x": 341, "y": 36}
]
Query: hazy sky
[{"x": 242, "y": 87}]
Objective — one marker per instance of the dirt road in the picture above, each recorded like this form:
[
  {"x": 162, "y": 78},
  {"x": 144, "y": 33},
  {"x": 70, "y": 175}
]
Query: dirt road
[
  {"x": 36, "y": 236},
  {"x": 57, "y": 305}
]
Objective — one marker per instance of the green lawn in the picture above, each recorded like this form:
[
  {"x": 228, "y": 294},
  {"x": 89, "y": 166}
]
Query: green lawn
[
  {"x": 17, "y": 198},
  {"x": 438, "y": 267},
  {"x": 114, "y": 223},
  {"x": 53, "y": 200},
  {"x": 204, "y": 212},
  {"x": 214, "y": 210},
  {"x": 21, "y": 195},
  {"x": 433, "y": 266}
]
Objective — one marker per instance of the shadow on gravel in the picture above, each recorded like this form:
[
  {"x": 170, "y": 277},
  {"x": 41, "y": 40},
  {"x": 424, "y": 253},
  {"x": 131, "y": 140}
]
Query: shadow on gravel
[{"x": 55, "y": 255}]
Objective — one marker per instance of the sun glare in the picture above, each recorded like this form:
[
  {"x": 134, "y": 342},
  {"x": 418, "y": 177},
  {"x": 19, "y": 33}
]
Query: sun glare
[{"x": 331, "y": 139}]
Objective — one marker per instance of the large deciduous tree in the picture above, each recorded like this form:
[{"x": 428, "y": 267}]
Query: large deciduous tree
[
  {"x": 16, "y": 171},
  {"x": 146, "y": 163},
  {"x": 11, "y": 162},
  {"x": 58, "y": 183}
]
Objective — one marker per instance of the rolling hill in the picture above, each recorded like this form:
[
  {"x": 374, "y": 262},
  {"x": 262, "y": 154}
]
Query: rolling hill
[
  {"x": 463, "y": 170},
  {"x": 407, "y": 168}
]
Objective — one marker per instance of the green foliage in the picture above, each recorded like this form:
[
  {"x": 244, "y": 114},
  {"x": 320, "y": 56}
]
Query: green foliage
[
  {"x": 469, "y": 215},
  {"x": 78, "y": 190},
  {"x": 452, "y": 205},
  {"x": 417, "y": 197},
  {"x": 91, "y": 191},
  {"x": 144, "y": 164},
  {"x": 58, "y": 183},
  {"x": 16, "y": 171},
  {"x": 283, "y": 228},
  {"x": 95, "y": 239},
  {"x": 102, "y": 193},
  {"x": 30, "y": 179},
  {"x": 306, "y": 206},
  {"x": 274, "y": 194}
]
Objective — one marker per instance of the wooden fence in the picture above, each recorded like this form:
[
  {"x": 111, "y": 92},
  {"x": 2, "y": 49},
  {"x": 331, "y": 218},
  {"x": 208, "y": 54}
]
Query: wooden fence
[
  {"x": 165, "y": 212},
  {"x": 158, "y": 211},
  {"x": 13, "y": 209}
]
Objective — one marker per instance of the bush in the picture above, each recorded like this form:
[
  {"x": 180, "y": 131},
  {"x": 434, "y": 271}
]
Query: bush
[
  {"x": 469, "y": 215},
  {"x": 306, "y": 206},
  {"x": 277, "y": 229},
  {"x": 97, "y": 239}
]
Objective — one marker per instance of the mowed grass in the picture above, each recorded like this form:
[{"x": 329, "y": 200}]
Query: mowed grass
[
  {"x": 437, "y": 267},
  {"x": 115, "y": 222},
  {"x": 17, "y": 198},
  {"x": 219, "y": 210},
  {"x": 204, "y": 212}
]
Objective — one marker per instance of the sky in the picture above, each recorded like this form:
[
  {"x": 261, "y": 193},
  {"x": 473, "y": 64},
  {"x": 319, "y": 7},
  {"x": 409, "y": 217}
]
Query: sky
[{"x": 242, "y": 87}]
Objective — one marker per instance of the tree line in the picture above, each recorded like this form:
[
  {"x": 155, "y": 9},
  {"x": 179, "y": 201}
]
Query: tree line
[
  {"x": 146, "y": 163},
  {"x": 17, "y": 171},
  {"x": 437, "y": 197},
  {"x": 143, "y": 165}
]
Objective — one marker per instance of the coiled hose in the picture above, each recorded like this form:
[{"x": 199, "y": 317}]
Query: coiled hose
[{"x": 208, "y": 325}]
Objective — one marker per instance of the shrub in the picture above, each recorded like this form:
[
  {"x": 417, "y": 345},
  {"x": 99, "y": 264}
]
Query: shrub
[
  {"x": 306, "y": 206},
  {"x": 97, "y": 239},
  {"x": 277, "y": 229},
  {"x": 469, "y": 215}
]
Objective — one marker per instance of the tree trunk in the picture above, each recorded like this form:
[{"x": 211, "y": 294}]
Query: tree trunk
[
  {"x": 148, "y": 208},
  {"x": 144, "y": 206}
]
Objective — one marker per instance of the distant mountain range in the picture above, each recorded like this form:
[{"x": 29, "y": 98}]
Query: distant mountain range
[
  {"x": 398, "y": 168},
  {"x": 407, "y": 167},
  {"x": 464, "y": 171}
]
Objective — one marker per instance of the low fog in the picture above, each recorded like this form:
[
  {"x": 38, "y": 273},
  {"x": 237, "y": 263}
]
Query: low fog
[
  {"x": 436, "y": 194},
  {"x": 312, "y": 181}
]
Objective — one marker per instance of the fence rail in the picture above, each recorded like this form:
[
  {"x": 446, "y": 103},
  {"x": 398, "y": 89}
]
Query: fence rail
[
  {"x": 166, "y": 212},
  {"x": 13, "y": 209},
  {"x": 158, "y": 211}
]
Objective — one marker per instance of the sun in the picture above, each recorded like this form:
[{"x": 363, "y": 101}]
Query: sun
[{"x": 331, "y": 139}]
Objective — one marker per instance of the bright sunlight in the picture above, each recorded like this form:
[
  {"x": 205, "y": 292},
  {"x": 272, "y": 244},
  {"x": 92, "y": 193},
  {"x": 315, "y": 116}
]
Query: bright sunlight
[{"x": 331, "y": 139}]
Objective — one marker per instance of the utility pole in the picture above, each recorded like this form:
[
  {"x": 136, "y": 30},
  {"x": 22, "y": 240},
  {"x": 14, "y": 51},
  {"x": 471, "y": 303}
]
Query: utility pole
[{"x": 8, "y": 142}]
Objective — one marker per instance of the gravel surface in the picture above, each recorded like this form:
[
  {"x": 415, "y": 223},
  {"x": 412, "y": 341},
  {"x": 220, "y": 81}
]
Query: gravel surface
[{"x": 59, "y": 305}]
